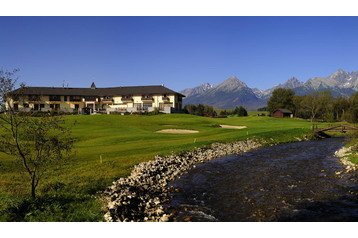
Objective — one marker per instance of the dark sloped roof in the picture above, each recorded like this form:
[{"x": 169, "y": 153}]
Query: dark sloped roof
[
  {"x": 283, "y": 110},
  {"x": 115, "y": 91}
]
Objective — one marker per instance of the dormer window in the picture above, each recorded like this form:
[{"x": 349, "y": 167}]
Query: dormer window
[{"x": 147, "y": 97}]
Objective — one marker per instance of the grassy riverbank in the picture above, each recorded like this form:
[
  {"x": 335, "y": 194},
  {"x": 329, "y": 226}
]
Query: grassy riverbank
[
  {"x": 353, "y": 142},
  {"x": 108, "y": 146}
]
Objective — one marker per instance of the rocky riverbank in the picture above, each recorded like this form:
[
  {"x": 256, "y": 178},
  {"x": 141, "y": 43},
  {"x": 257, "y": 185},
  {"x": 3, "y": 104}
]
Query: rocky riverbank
[
  {"x": 343, "y": 155},
  {"x": 140, "y": 196},
  {"x": 287, "y": 182}
]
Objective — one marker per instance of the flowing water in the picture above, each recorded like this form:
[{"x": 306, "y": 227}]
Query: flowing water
[{"x": 288, "y": 182}]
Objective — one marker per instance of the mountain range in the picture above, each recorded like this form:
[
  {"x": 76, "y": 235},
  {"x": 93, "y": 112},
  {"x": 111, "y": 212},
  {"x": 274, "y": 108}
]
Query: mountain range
[{"x": 233, "y": 92}]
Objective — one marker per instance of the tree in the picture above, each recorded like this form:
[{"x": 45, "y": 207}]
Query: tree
[
  {"x": 200, "y": 110},
  {"x": 340, "y": 106},
  {"x": 318, "y": 105},
  {"x": 240, "y": 111},
  {"x": 311, "y": 106},
  {"x": 281, "y": 98},
  {"x": 327, "y": 105},
  {"x": 7, "y": 83},
  {"x": 262, "y": 109},
  {"x": 38, "y": 143},
  {"x": 223, "y": 113},
  {"x": 353, "y": 109},
  {"x": 190, "y": 109},
  {"x": 299, "y": 112}
]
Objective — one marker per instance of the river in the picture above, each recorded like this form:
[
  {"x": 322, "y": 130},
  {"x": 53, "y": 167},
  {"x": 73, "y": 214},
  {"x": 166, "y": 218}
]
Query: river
[{"x": 288, "y": 182}]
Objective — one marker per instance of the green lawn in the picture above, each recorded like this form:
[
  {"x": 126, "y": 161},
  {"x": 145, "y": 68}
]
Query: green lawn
[{"x": 69, "y": 192}]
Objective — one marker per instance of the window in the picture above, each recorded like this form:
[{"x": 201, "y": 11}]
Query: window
[
  {"x": 38, "y": 107},
  {"x": 165, "y": 98},
  {"x": 65, "y": 98},
  {"x": 107, "y": 99},
  {"x": 26, "y": 105},
  {"x": 147, "y": 97},
  {"x": 55, "y": 98},
  {"x": 75, "y": 98},
  {"x": 161, "y": 106},
  {"x": 90, "y": 98},
  {"x": 34, "y": 98},
  {"x": 138, "y": 106},
  {"x": 77, "y": 106},
  {"x": 55, "y": 106},
  {"x": 146, "y": 105},
  {"x": 127, "y": 98}
]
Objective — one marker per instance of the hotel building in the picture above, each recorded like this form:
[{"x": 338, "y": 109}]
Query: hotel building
[{"x": 93, "y": 99}]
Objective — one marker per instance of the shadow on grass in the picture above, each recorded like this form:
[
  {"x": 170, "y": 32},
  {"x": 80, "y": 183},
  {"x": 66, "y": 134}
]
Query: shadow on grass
[{"x": 57, "y": 207}]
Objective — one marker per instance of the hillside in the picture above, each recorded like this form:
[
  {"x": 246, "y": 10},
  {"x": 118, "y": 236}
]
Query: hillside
[
  {"x": 230, "y": 93},
  {"x": 233, "y": 92}
]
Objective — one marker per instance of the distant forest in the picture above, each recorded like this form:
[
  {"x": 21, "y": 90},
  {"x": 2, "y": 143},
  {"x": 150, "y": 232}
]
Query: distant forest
[{"x": 319, "y": 106}]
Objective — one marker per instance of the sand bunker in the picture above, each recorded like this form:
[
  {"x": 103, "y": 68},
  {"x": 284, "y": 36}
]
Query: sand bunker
[
  {"x": 233, "y": 127},
  {"x": 177, "y": 131}
]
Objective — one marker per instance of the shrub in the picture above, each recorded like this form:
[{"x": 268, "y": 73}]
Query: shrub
[
  {"x": 200, "y": 110},
  {"x": 240, "y": 111}
]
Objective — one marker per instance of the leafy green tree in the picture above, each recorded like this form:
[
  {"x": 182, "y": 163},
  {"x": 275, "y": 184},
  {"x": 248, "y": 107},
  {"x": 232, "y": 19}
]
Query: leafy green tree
[
  {"x": 311, "y": 106},
  {"x": 200, "y": 110},
  {"x": 240, "y": 111},
  {"x": 340, "y": 108},
  {"x": 353, "y": 109},
  {"x": 327, "y": 105},
  {"x": 318, "y": 105},
  {"x": 281, "y": 98},
  {"x": 190, "y": 109},
  {"x": 224, "y": 113}
]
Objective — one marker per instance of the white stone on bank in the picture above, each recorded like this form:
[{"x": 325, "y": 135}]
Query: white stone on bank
[
  {"x": 343, "y": 155},
  {"x": 140, "y": 196}
]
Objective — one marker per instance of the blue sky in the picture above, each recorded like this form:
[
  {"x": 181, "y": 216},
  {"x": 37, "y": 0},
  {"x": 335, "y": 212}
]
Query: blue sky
[{"x": 180, "y": 52}]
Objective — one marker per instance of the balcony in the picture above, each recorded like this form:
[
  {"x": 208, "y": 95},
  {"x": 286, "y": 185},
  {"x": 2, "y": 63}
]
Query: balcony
[
  {"x": 55, "y": 98},
  {"x": 107, "y": 100},
  {"x": 127, "y": 99},
  {"x": 34, "y": 98},
  {"x": 90, "y": 99},
  {"x": 147, "y": 99},
  {"x": 75, "y": 99}
]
